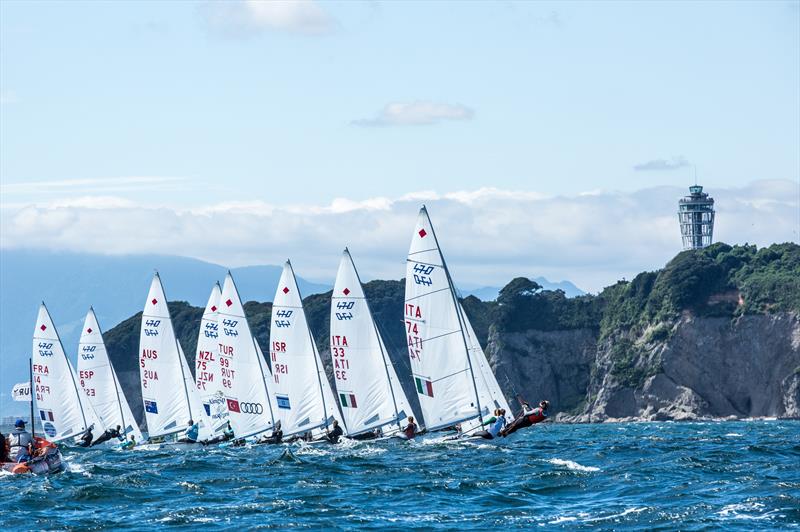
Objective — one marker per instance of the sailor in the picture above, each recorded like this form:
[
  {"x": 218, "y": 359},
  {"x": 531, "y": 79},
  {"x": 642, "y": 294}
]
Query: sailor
[
  {"x": 20, "y": 443},
  {"x": 275, "y": 437},
  {"x": 130, "y": 444},
  {"x": 107, "y": 435},
  {"x": 498, "y": 422},
  {"x": 190, "y": 436},
  {"x": 86, "y": 439},
  {"x": 4, "y": 449},
  {"x": 411, "y": 429},
  {"x": 529, "y": 416},
  {"x": 336, "y": 433}
]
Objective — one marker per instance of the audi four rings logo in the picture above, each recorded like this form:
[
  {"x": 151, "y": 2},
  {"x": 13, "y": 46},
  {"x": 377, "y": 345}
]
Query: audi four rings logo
[{"x": 251, "y": 408}]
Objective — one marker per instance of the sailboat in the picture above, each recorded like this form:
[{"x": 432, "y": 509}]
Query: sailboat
[
  {"x": 454, "y": 382},
  {"x": 207, "y": 370},
  {"x": 99, "y": 381},
  {"x": 366, "y": 383},
  {"x": 302, "y": 392},
  {"x": 245, "y": 376},
  {"x": 169, "y": 392},
  {"x": 63, "y": 408}
]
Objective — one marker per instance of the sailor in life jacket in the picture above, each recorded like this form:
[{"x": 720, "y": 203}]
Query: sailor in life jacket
[
  {"x": 529, "y": 416},
  {"x": 19, "y": 443}
]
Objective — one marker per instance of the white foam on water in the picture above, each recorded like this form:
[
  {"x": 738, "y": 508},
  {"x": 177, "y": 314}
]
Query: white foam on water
[
  {"x": 72, "y": 467},
  {"x": 740, "y": 511},
  {"x": 562, "y": 519},
  {"x": 733, "y": 435},
  {"x": 623, "y": 513},
  {"x": 574, "y": 466}
]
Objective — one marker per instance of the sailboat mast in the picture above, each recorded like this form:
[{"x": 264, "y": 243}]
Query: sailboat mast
[
  {"x": 313, "y": 346},
  {"x": 177, "y": 350},
  {"x": 458, "y": 313},
  {"x": 30, "y": 389},
  {"x": 377, "y": 333}
]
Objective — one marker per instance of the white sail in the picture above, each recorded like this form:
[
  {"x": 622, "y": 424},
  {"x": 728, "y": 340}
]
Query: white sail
[
  {"x": 165, "y": 377},
  {"x": 437, "y": 346},
  {"x": 61, "y": 405},
  {"x": 99, "y": 381},
  {"x": 366, "y": 383},
  {"x": 491, "y": 396},
  {"x": 207, "y": 370},
  {"x": 302, "y": 392},
  {"x": 245, "y": 376}
]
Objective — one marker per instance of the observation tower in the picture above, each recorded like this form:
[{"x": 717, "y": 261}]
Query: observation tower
[{"x": 696, "y": 217}]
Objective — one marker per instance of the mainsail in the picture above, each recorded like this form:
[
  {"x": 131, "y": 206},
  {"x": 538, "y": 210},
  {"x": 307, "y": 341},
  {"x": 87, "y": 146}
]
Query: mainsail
[
  {"x": 62, "y": 407},
  {"x": 302, "y": 392},
  {"x": 168, "y": 389},
  {"x": 99, "y": 381},
  {"x": 437, "y": 342},
  {"x": 207, "y": 370},
  {"x": 366, "y": 383},
  {"x": 245, "y": 377}
]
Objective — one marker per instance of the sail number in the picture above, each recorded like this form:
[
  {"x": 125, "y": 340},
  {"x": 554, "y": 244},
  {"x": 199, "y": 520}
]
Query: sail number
[{"x": 413, "y": 319}]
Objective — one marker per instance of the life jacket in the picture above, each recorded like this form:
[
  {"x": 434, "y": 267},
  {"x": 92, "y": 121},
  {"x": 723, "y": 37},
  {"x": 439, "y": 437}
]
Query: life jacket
[
  {"x": 18, "y": 442},
  {"x": 411, "y": 430},
  {"x": 537, "y": 416}
]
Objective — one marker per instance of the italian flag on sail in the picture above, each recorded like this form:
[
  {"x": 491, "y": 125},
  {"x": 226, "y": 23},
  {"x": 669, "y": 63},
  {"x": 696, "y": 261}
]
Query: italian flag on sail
[
  {"x": 424, "y": 386},
  {"x": 348, "y": 399}
]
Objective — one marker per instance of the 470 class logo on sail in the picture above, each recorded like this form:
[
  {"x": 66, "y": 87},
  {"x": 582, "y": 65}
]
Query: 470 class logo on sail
[{"x": 422, "y": 274}]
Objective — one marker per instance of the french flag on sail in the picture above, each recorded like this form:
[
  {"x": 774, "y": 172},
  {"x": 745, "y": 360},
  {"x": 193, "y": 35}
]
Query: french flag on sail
[
  {"x": 46, "y": 415},
  {"x": 424, "y": 386},
  {"x": 348, "y": 400}
]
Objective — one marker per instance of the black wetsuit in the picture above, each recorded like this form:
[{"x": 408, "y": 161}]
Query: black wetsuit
[
  {"x": 86, "y": 439},
  {"x": 335, "y": 434},
  {"x": 105, "y": 436},
  {"x": 274, "y": 438},
  {"x": 525, "y": 420}
]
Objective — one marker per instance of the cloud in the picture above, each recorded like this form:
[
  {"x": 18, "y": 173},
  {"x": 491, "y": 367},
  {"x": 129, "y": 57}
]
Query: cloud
[
  {"x": 419, "y": 113},
  {"x": 662, "y": 164},
  {"x": 488, "y": 235},
  {"x": 113, "y": 184},
  {"x": 245, "y": 17}
]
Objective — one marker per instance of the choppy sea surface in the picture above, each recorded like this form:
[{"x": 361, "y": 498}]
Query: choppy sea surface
[{"x": 731, "y": 475}]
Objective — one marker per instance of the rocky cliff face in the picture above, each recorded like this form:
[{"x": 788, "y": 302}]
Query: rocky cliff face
[{"x": 704, "y": 367}]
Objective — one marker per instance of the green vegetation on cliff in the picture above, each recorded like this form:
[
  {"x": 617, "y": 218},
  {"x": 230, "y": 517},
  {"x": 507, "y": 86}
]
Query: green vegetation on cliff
[{"x": 720, "y": 281}]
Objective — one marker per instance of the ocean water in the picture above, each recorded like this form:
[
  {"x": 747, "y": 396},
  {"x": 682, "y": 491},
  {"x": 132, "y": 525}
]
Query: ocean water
[{"x": 731, "y": 475}]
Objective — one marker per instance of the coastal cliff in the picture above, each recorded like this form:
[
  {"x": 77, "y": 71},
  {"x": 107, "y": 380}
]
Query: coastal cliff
[{"x": 714, "y": 334}]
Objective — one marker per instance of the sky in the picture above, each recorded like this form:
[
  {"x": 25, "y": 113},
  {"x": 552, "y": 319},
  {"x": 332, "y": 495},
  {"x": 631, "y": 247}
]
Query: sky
[{"x": 546, "y": 139}]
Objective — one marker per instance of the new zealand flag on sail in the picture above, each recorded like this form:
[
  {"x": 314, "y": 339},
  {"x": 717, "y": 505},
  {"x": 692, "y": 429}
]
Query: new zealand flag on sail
[{"x": 150, "y": 406}]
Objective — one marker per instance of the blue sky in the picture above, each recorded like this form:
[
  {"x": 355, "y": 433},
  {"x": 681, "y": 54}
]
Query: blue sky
[{"x": 291, "y": 109}]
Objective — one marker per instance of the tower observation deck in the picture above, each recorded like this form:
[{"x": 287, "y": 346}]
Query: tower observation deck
[{"x": 696, "y": 217}]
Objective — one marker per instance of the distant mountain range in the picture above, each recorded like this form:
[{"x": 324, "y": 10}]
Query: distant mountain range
[
  {"x": 489, "y": 293},
  {"x": 69, "y": 283}
]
